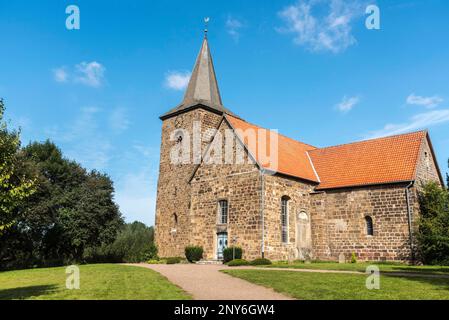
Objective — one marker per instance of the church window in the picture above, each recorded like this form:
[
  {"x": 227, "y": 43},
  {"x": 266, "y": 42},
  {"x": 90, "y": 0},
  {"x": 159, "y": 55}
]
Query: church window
[
  {"x": 369, "y": 226},
  {"x": 284, "y": 218},
  {"x": 223, "y": 211}
]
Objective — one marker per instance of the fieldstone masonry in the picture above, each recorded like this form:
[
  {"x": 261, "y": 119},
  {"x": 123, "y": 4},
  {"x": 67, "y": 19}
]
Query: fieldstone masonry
[{"x": 326, "y": 225}]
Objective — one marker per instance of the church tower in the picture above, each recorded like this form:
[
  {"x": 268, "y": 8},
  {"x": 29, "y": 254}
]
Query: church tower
[{"x": 201, "y": 108}]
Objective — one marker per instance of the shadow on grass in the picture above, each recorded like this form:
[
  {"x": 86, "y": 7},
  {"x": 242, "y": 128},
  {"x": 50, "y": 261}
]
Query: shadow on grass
[
  {"x": 430, "y": 270},
  {"x": 440, "y": 284},
  {"x": 26, "y": 292}
]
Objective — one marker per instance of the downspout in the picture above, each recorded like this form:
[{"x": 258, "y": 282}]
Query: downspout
[
  {"x": 262, "y": 205},
  {"x": 409, "y": 214}
]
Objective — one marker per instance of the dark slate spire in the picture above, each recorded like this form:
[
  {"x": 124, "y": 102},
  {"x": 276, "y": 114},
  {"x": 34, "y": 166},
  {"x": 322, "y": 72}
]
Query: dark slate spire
[{"x": 202, "y": 90}]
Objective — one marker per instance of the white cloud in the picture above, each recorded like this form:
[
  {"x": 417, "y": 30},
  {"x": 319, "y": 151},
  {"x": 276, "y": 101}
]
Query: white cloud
[
  {"x": 60, "y": 75},
  {"x": 233, "y": 27},
  {"x": 118, "y": 120},
  {"x": 428, "y": 102},
  {"x": 90, "y": 73},
  {"x": 177, "y": 80},
  {"x": 322, "y": 25},
  {"x": 347, "y": 103},
  {"x": 419, "y": 121}
]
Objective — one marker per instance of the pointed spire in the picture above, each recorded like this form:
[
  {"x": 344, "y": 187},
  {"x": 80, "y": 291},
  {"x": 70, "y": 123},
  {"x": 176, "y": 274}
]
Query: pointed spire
[
  {"x": 202, "y": 90},
  {"x": 203, "y": 86}
]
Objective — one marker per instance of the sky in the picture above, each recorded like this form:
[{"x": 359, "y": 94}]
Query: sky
[{"x": 308, "y": 68}]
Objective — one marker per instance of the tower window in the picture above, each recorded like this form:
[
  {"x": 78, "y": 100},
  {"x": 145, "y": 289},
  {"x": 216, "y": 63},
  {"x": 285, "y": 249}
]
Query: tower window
[
  {"x": 223, "y": 211},
  {"x": 175, "y": 220},
  {"x": 369, "y": 226},
  {"x": 284, "y": 219}
]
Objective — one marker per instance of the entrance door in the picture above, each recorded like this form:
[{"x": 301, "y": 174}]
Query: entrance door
[{"x": 222, "y": 243}]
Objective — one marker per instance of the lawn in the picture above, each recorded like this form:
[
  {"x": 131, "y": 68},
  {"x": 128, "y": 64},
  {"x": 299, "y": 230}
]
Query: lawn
[
  {"x": 361, "y": 266},
  {"x": 97, "y": 282},
  {"x": 332, "y": 286}
]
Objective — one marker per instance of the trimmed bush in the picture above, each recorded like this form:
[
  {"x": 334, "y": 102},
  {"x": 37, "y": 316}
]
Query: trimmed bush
[
  {"x": 173, "y": 260},
  {"x": 260, "y": 262},
  {"x": 238, "y": 262},
  {"x": 228, "y": 254},
  {"x": 154, "y": 261},
  {"x": 353, "y": 258},
  {"x": 194, "y": 253}
]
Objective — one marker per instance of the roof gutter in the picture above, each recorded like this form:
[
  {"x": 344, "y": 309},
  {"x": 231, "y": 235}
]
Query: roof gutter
[{"x": 409, "y": 216}]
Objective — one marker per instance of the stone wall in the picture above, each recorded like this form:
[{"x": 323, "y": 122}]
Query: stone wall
[
  {"x": 173, "y": 194},
  {"x": 297, "y": 191},
  {"x": 336, "y": 218},
  {"x": 427, "y": 168},
  {"x": 339, "y": 225},
  {"x": 239, "y": 184}
]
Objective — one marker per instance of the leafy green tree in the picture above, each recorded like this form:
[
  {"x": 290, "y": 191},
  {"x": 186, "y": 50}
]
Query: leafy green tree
[
  {"x": 433, "y": 224},
  {"x": 135, "y": 243},
  {"x": 71, "y": 210},
  {"x": 14, "y": 187}
]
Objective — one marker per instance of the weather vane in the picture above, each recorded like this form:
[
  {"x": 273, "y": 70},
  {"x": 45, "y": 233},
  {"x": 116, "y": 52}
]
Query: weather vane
[{"x": 206, "y": 22}]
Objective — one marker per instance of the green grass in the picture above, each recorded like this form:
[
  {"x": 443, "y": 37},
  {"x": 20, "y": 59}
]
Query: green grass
[
  {"x": 361, "y": 266},
  {"x": 97, "y": 282},
  {"x": 332, "y": 286}
]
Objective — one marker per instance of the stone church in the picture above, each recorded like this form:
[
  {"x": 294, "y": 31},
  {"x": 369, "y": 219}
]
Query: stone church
[{"x": 307, "y": 203}]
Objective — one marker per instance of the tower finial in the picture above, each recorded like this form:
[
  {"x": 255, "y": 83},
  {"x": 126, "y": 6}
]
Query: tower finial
[{"x": 206, "y": 23}]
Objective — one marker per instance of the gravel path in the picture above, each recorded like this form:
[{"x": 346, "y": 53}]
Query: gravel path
[{"x": 206, "y": 282}]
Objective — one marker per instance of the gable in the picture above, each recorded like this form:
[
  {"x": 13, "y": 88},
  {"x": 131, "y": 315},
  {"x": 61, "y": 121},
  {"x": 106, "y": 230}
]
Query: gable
[
  {"x": 427, "y": 166},
  {"x": 225, "y": 155}
]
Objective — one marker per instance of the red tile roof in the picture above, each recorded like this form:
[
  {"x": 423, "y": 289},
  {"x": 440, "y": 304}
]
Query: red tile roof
[
  {"x": 292, "y": 156},
  {"x": 377, "y": 161}
]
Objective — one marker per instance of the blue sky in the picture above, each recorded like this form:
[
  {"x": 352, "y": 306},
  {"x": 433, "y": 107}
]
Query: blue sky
[{"x": 310, "y": 69}]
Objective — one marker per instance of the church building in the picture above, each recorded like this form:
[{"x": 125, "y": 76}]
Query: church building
[{"x": 280, "y": 198}]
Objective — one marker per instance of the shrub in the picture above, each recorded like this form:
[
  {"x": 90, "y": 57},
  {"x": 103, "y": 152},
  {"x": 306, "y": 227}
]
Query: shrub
[
  {"x": 173, "y": 260},
  {"x": 238, "y": 262},
  {"x": 228, "y": 254},
  {"x": 194, "y": 253},
  {"x": 155, "y": 261},
  {"x": 433, "y": 225},
  {"x": 260, "y": 262},
  {"x": 151, "y": 252},
  {"x": 134, "y": 243},
  {"x": 353, "y": 258}
]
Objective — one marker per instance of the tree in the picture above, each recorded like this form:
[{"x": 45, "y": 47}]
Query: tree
[
  {"x": 71, "y": 210},
  {"x": 433, "y": 224},
  {"x": 14, "y": 187},
  {"x": 135, "y": 243}
]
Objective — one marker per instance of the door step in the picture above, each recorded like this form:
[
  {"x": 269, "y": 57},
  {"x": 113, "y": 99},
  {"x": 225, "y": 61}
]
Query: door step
[{"x": 203, "y": 262}]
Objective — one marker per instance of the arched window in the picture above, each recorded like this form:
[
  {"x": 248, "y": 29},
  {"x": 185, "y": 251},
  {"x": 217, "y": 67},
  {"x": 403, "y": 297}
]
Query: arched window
[
  {"x": 223, "y": 211},
  {"x": 284, "y": 219},
  {"x": 369, "y": 226}
]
